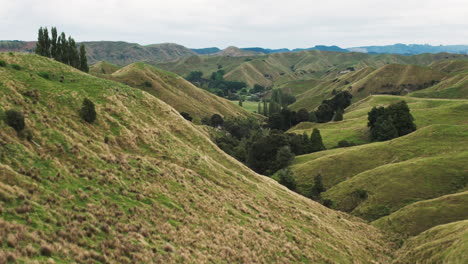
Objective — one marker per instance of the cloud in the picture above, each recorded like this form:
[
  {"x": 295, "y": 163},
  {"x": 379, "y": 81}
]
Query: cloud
[{"x": 275, "y": 24}]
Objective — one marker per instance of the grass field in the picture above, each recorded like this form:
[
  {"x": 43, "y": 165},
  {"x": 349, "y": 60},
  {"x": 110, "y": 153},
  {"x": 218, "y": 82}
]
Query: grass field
[
  {"x": 143, "y": 185},
  {"x": 354, "y": 126},
  {"x": 252, "y": 107}
]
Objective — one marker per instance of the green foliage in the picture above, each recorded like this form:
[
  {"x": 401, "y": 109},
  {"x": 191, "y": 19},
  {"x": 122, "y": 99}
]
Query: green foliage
[
  {"x": 186, "y": 116},
  {"x": 284, "y": 157},
  {"x": 16, "y": 67},
  {"x": 3, "y": 63},
  {"x": 194, "y": 76},
  {"x": 15, "y": 119},
  {"x": 318, "y": 188},
  {"x": 302, "y": 115},
  {"x": 61, "y": 49},
  {"x": 333, "y": 108},
  {"x": 312, "y": 117},
  {"x": 391, "y": 122},
  {"x": 361, "y": 194},
  {"x": 88, "y": 111},
  {"x": 316, "y": 141},
  {"x": 286, "y": 178},
  {"x": 328, "y": 203},
  {"x": 345, "y": 144},
  {"x": 216, "y": 120},
  {"x": 258, "y": 88},
  {"x": 83, "y": 60},
  {"x": 338, "y": 115},
  {"x": 44, "y": 75}
]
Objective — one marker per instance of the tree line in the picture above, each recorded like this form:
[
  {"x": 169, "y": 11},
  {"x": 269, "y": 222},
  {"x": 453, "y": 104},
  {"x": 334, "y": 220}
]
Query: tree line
[
  {"x": 215, "y": 83},
  {"x": 61, "y": 48}
]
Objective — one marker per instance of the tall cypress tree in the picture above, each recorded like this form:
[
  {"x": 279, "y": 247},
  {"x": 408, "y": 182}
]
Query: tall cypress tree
[
  {"x": 53, "y": 43},
  {"x": 40, "y": 42},
  {"x": 316, "y": 141},
  {"x": 74, "y": 57},
  {"x": 83, "y": 60},
  {"x": 46, "y": 43},
  {"x": 64, "y": 57}
]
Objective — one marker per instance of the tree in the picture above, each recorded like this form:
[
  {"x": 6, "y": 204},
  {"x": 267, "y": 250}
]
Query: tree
[
  {"x": 384, "y": 129},
  {"x": 83, "y": 60},
  {"x": 240, "y": 101},
  {"x": 312, "y": 117},
  {"x": 259, "y": 108},
  {"x": 54, "y": 44},
  {"x": 88, "y": 111},
  {"x": 402, "y": 118},
  {"x": 286, "y": 178},
  {"x": 74, "y": 57},
  {"x": 318, "y": 187},
  {"x": 302, "y": 115},
  {"x": 46, "y": 43},
  {"x": 258, "y": 88},
  {"x": 324, "y": 113},
  {"x": 216, "y": 120},
  {"x": 40, "y": 42},
  {"x": 338, "y": 115},
  {"x": 15, "y": 119},
  {"x": 391, "y": 122},
  {"x": 284, "y": 157},
  {"x": 316, "y": 141},
  {"x": 194, "y": 76}
]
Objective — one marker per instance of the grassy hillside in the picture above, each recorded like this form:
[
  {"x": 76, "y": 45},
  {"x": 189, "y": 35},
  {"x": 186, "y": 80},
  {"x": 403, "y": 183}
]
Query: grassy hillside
[
  {"x": 143, "y": 185},
  {"x": 354, "y": 126},
  {"x": 103, "y": 67},
  {"x": 280, "y": 68},
  {"x": 123, "y": 53},
  {"x": 441, "y": 244},
  {"x": 423, "y": 165},
  {"x": 176, "y": 91},
  {"x": 418, "y": 217}
]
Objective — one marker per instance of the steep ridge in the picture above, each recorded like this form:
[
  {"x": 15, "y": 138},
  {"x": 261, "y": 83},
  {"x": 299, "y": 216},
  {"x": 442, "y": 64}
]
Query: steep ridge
[
  {"x": 177, "y": 92},
  {"x": 143, "y": 185}
]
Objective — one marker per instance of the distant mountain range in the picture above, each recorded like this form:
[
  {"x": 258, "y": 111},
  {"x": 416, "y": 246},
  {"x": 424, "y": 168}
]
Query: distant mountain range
[{"x": 124, "y": 53}]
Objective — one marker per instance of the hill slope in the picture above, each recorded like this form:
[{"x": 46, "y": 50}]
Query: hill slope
[
  {"x": 143, "y": 185},
  {"x": 103, "y": 67},
  {"x": 441, "y": 244},
  {"x": 177, "y": 92},
  {"x": 418, "y": 217}
]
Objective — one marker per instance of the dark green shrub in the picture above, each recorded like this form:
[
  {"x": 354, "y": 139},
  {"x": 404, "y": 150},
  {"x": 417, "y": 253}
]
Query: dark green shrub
[
  {"x": 88, "y": 111},
  {"x": 186, "y": 116},
  {"x": 286, "y": 178},
  {"x": 318, "y": 187},
  {"x": 327, "y": 203},
  {"x": 147, "y": 84},
  {"x": 2, "y": 63},
  {"x": 44, "y": 75},
  {"x": 361, "y": 194},
  {"x": 15, "y": 119},
  {"x": 345, "y": 144},
  {"x": 216, "y": 120},
  {"x": 16, "y": 67}
]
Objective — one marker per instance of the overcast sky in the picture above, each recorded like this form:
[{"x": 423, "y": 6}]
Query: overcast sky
[{"x": 242, "y": 23}]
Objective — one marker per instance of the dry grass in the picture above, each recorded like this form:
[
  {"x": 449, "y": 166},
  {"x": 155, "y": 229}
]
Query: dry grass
[{"x": 159, "y": 191}]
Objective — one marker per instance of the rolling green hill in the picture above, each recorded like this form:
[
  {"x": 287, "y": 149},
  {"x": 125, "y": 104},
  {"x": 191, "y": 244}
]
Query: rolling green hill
[
  {"x": 143, "y": 185},
  {"x": 123, "y": 53},
  {"x": 176, "y": 91},
  {"x": 425, "y": 164},
  {"x": 280, "y": 68},
  {"x": 354, "y": 126},
  {"x": 441, "y": 244},
  {"x": 421, "y": 216},
  {"x": 103, "y": 67}
]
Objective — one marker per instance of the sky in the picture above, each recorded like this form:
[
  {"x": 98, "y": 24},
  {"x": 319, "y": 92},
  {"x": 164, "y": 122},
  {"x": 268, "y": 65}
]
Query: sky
[{"x": 242, "y": 23}]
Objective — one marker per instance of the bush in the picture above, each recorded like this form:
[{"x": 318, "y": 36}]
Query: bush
[
  {"x": 216, "y": 120},
  {"x": 16, "y": 67},
  {"x": 2, "y": 63},
  {"x": 327, "y": 203},
  {"x": 361, "y": 194},
  {"x": 88, "y": 111},
  {"x": 15, "y": 119},
  {"x": 286, "y": 178},
  {"x": 44, "y": 75},
  {"x": 186, "y": 116},
  {"x": 345, "y": 144}
]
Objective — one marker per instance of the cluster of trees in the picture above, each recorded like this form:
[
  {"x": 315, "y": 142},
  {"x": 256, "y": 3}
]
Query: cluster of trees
[
  {"x": 333, "y": 108},
  {"x": 264, "y": 150},
  {"x": 61, "y": 48},
  {"x": 216, "y": 83},
  {"x": 391, "y": 122}
]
